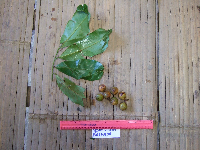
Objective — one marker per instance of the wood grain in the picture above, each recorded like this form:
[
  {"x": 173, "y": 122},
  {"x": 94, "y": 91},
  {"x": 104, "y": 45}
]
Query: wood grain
[
  {"x": 129, "y": 64},
  {"x": 137, "y": 58},
  {"x": 179, "y": 74},
  {"x": 16, "y": 28}
]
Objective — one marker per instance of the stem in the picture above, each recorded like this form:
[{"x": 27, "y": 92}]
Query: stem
[{"x": 55, "y": 60}]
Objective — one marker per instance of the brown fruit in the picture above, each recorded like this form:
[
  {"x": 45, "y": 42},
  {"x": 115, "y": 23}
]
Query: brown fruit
[
  {"x": 122, "y": 95},
  {"x": 107, "y": 95},
  {"x": 114, "y": 90},
  {"x": 114, "y": 101},
  {"x": 102, "y": 88}
]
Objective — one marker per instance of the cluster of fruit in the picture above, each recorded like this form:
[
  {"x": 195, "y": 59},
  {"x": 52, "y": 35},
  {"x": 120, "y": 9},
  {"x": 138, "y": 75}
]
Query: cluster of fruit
[{"x": 114, "y": 101}]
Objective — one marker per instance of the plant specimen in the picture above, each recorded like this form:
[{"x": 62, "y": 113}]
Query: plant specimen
[{"x": 79, "y": 45}]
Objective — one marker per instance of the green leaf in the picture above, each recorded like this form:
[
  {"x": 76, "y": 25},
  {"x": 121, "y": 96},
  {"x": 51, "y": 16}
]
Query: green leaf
[
  {"x": 82, "y": 69},
  {"x": 69, "y": 42},
  {"x": 94, "y": 76},
  {"x": 93, "y": 44},
  {"x": 83, "y": 8},
  {"x": 77, "y": 28},
  {"x": 72, "y": 54},
  {"x": 70, "y": 89}
]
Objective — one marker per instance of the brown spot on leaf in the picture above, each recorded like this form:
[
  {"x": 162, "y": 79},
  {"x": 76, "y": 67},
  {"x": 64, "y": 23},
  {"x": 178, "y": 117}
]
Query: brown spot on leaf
[
  {"x": 53, "y": 9},
  {"x": 50, "y": 27}
]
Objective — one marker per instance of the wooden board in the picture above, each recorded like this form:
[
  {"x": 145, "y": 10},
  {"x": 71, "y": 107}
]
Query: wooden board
[
  {"x": 179, "y": 78},
  {"x": 15, "y": 36},
  {"x": 130, "y": 64}
]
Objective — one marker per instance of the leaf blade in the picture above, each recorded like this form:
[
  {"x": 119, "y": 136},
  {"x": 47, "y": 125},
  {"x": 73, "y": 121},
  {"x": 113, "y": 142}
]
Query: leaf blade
[
  {"x": 70, "y": 89},
  {"x": 71, "y": 54},
  {"x": 94, "y": 44},
  {"x": 82, "y": 69},
  {"x": 77, "y": 28}
]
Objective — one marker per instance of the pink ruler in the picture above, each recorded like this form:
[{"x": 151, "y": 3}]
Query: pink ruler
[{"x": 106, "y": 124}]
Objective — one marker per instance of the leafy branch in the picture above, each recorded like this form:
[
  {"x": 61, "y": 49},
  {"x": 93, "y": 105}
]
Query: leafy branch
[{"x": 80, "y": 44}]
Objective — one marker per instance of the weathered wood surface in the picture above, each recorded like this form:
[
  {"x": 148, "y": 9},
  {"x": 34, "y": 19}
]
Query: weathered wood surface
[
  {"x": 129, "y": 64},
  {"x": 16, "y": 21},
  {"x": 179, "y": 74}
]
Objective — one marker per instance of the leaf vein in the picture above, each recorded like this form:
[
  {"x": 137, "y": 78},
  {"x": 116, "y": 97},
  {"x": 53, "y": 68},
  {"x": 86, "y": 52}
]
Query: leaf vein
[
  {"x": 75, "y": 30},
  {"x": 80, "y": 50},
  {"x": 71, "y": 69},
  {"x": 63, "y": 83}
]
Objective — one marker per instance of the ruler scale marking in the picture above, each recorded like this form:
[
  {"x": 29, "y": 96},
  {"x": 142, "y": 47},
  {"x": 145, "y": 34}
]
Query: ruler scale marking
[{"x": 106, "y": 124}]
